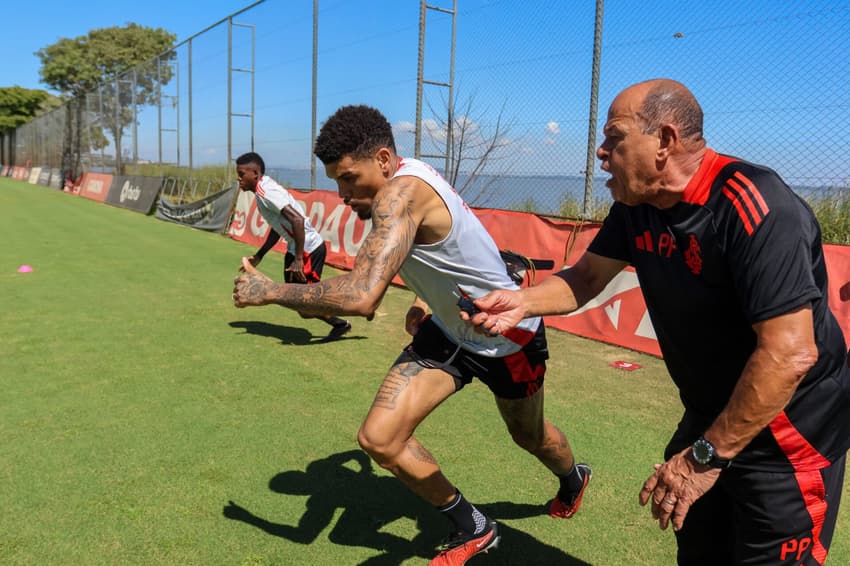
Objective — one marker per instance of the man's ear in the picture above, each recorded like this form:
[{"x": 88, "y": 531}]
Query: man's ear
[
  {"x": 384, "y": 157},
  {"x": 668, "y": 136}
]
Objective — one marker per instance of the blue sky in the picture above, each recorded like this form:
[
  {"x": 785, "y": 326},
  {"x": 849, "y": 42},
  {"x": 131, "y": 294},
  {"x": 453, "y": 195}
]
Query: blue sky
[
  {"x": 773, "y": 77},
  {"x": 40, "y": 23}
]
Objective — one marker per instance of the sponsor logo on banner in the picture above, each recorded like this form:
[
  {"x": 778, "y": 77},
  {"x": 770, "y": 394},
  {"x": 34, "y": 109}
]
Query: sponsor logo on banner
[
  {"x": 134, "y": 192},
  {"x": 129, "y": 192},
  {"x": 240, "y": 215},
  {"x": 237, "y": 228},
  {"x": 95, "y": 186},
  {"x": 56, "y": 180},
  {"x": 210, "y": 213}
]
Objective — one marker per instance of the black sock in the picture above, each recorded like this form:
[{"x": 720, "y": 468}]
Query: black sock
[
  {"x": 571, "y": 483},
  {"x": 464, "y": 516}
]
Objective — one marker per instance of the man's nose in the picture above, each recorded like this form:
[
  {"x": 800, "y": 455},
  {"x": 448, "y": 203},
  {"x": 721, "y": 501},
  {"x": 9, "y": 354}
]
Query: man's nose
[{"x": 601, "y": 152}]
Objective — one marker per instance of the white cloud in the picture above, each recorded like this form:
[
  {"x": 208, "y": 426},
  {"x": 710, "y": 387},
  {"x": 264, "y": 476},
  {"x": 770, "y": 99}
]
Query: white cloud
[
  {"x": 467, "y": 125},
  {"x": 553, "y": 128},
  {"x": 549, "y": 141},
  {"x": 404, "y": 127},
  {"x": 434, "y": 130}
]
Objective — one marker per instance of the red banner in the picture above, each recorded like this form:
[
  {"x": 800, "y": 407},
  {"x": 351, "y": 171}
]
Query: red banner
[
  {"x": 95, "y": 186},
  {"x": 617, "y": 316},
  {"x": 838, "y": 269}
]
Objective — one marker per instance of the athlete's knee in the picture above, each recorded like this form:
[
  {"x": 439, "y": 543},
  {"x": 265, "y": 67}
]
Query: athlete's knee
[
  {"x": 383, "y": 452},
  {"x": 529, "y": 441}
]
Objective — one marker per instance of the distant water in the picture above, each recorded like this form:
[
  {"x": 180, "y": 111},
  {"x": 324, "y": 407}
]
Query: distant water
[
  {"x": 540, "y": 193},
  {"x": 543, "y": 194}
]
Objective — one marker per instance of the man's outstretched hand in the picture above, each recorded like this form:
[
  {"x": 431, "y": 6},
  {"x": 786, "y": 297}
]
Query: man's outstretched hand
[
  {"x": 249, "y": 289},
  {"x": 499, "y": 312}
]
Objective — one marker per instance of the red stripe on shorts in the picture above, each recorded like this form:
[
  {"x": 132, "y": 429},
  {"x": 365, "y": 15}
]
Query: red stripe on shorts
[{"x": 808, "y": 463}]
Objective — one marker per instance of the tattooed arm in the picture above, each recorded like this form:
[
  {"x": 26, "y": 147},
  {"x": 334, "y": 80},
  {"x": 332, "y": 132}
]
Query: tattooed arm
[{"x": 397, "y": 212}]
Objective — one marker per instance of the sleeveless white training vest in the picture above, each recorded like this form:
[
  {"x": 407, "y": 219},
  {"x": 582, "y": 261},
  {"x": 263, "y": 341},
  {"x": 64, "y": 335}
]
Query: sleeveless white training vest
[{"x": 468, "y": 257}]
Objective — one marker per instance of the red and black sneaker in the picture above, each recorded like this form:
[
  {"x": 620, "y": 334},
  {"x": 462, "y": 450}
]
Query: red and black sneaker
[
  {"x": 460, "y": 547},
  {"x": 560, "y": 509}
]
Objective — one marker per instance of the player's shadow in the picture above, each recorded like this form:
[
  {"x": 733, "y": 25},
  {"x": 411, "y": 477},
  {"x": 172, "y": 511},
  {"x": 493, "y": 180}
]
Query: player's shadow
[
  {"x": 291, "y": 336},
  {"x": 370, "y": 502}
]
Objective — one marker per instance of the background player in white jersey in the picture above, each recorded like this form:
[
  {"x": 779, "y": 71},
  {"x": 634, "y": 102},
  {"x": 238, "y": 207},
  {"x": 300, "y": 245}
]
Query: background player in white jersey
[
  {"x": 305, "y": 248},
  {"x": 423, "y": 231}
]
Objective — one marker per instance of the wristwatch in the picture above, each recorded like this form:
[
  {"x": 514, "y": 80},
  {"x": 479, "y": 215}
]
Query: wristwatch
[{"x": 704, "y": 453}]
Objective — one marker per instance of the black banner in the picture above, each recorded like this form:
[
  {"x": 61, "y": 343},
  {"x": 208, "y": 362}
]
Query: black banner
[
  {"x": 134, "y": 192},
  {"x": 56, "y": 179},
  {"x": 210, "y": 213}
]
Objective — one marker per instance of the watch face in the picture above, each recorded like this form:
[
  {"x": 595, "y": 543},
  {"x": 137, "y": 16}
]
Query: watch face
[{"x": 703, "y": 451}]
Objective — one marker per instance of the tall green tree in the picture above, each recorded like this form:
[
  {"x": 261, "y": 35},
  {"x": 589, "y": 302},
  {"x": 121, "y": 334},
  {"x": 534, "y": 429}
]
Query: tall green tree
[
  {"x": 19, "y": 105},
  {"x": 116, "y": 63}
]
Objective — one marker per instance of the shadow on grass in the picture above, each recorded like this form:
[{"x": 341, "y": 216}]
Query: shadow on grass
[
  {"x": 370, "y": 502},
  {"x": 288, "y": 335}
]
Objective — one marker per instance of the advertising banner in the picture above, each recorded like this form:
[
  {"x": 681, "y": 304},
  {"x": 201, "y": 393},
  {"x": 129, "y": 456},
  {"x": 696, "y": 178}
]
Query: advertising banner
[
  {"x": 135, "y": 192},
  {"x": 95, "y": 186},
  {"x": 838, "y": 270},
  {"x": 210, "y": 213},
  {"x": 56, "y": 180},
  {"x": 35, "y": 172},
  {"x": 44, "y": 177},
  {"x": 20, "y": 173},
  {"x": 5, "y": 171}
]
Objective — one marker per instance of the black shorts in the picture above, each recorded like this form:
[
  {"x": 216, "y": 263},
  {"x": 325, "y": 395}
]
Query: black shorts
[
  {"x": 515, "y": 376},
  {"x": 314, "y": 262},
  {"x": 755, "y": 517}
]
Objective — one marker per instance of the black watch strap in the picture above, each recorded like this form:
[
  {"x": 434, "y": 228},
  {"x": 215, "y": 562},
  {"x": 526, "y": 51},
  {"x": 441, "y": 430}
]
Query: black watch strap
[{"x": 704, "y": 453}]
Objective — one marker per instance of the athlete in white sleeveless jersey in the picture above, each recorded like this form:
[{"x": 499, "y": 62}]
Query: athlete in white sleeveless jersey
[
  {"x": 466, "y": 259},
  {"x": 423, "y": 232}
]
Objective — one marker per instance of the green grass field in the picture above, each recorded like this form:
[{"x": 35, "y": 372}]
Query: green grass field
[{"x": 144, "y": 420}]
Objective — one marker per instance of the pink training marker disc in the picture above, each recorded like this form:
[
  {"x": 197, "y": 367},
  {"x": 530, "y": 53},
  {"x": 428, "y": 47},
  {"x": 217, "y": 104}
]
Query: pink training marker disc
[
  {"x": 628, "y": 366},
  {"x": 25, "y": 269}
]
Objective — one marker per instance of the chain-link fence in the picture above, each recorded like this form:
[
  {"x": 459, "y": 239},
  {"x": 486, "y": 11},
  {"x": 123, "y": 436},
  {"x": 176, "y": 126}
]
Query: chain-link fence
[{"x": 773, "y": 79}]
